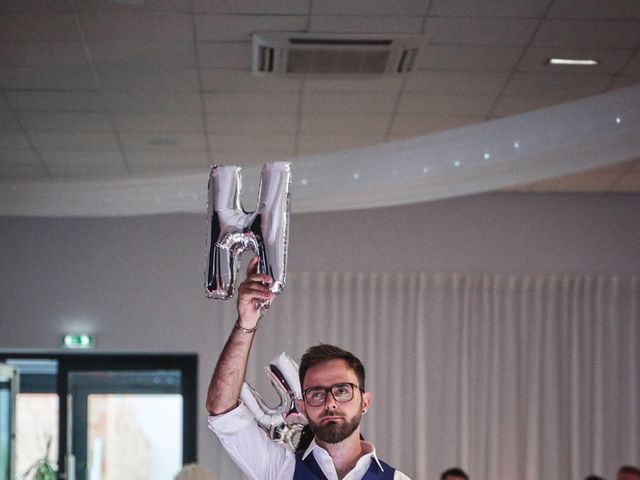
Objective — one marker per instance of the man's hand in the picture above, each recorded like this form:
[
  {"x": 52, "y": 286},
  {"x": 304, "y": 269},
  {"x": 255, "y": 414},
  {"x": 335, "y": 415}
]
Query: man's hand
[{"x": 252, "y": 294}]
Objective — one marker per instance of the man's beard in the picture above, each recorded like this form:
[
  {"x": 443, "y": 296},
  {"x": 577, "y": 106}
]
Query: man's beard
[{"x": 335, "y": 432}]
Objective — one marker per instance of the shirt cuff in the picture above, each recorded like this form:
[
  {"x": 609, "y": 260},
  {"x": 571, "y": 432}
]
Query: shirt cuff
[{"x": 231, "y": 422}]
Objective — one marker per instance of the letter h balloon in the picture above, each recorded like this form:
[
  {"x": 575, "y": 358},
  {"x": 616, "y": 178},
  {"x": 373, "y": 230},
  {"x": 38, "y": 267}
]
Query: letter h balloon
[{"x": 232, "y": 231}]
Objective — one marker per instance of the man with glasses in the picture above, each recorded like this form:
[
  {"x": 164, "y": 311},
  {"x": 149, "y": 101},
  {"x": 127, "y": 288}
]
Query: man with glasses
[{"x": 334, "y": 400}]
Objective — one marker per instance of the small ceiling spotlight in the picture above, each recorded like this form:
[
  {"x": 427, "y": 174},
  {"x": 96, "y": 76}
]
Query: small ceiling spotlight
[{"x": 580, "y": 62}]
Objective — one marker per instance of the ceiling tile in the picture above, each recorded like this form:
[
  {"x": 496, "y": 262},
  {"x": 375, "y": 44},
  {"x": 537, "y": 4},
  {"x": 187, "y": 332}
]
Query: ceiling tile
[
  {"x": 239, "y": 27},
  {"x": 370, "y": 7},
  {"x": 41, "y": 53},
  {"x": 127, "y": 6},
  {"x": 248, "y": 142},
  {"x": 512, "y": 105},
  {"x": 597, "y": 9},
  {"x": 150, "y": 161},
  {"x": 364, "y": 24},
  {"x": 15, "y": 156},
  {"x": 514, "y": 32},
  {"x": 13, "y": 140},
  {"x": 611, "y": 60},
  {"x": 363, "y": 103},
  {"x": 138, "y": 102},
  {"x": 455, "y": 82},
  {"x": 8, "y": 121},
  {"x": 251, "y": 102},
  {"x": 375, "y": 125},
  {"x": 137, "y": 26},
  {"x": 378, "y": 84},
  {"x": 446, "y": 105},
  {"x": 84, "y": 171},
  {"x": 313, "y": 144},
  {"x": 235, "y": 55},
  {"x": 83, "y": 163},
  {"x": 139, "y": 53},
  {"x": 158, "y": 122},
  {"x": 260, "y": 7},
  {"x": 625, "y": 81},
  {"x": 489, "y": 8},
  {"x": 47, "y": 78},
  {"x": 38, "y": 26},
  {"x": 63, "y": 121},
  {"x": 411, "y": 125},
  {"x": 633, "y": 68},
  {"x": 588, "y": 34},
  {"x": 468, "y": 58},
  {"x": 245, "y": 81},
  {"x": 55, "y": 101},
  {"x": 556, "y": 85},
  {"x": 79, "y": 156},
  {"x": 73, "y": 141},
  {"x": 148, "y": 79},
  {"x": 163, "y": 142},
  {"x": 251, "y": 123},
  {"x": 36, "y": 6},
  {"x": 9, "y": 171}
]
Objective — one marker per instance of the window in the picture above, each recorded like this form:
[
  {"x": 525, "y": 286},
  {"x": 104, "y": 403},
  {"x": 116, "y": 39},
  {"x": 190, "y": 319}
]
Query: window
[{"x": 126, "y": 416}]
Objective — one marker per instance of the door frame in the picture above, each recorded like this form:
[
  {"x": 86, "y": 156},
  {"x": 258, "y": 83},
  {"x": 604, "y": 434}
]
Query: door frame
[
  {"x": 187, "y": 363},
  {"x": 14, "y": 387}
]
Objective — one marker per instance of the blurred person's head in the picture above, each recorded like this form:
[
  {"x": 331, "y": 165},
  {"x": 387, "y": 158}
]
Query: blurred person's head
[
  {"x": 628, "y": 472},
  {"x": 454, "y": 474}
]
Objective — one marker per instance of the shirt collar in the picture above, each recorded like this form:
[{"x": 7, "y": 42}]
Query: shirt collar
[{"x": 367, "y": 448}]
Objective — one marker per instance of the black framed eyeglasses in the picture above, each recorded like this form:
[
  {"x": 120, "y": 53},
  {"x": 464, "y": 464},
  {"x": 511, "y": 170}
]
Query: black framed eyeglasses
[{"x": 342, "y": 392}]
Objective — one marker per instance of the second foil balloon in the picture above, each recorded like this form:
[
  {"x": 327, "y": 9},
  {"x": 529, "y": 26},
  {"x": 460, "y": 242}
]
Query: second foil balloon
[{"x": 233, "y": 231}]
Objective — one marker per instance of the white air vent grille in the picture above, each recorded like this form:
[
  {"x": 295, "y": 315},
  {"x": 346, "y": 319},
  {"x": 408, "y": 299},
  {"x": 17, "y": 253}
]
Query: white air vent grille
[{"x": 324, "y": 55}]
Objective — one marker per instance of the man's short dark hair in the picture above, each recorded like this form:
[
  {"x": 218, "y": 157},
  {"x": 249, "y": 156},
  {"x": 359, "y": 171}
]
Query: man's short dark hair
[
  {"x": 454, "y": 472},
  {"x": 630, "y": 469},
  {"x": 593, "y": 477},
  {"x": 323, "y": 353}
]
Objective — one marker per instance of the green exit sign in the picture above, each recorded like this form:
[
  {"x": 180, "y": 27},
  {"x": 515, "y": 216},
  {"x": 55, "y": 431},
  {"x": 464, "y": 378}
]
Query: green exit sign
[{"x": 78, "y": 341}]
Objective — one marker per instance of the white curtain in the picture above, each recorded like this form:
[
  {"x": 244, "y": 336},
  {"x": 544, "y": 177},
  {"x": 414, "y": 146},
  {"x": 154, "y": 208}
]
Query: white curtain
[{"x": 507, "y": 376}]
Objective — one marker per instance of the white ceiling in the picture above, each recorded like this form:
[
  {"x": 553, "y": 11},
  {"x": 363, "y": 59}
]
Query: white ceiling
[{"x": 95, "y": 89}]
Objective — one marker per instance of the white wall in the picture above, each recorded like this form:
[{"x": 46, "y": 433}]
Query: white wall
[{"x": 137, "y": 283}]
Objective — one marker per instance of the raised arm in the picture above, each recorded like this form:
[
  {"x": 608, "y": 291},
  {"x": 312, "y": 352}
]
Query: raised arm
[{"x": 227, "y": 378}]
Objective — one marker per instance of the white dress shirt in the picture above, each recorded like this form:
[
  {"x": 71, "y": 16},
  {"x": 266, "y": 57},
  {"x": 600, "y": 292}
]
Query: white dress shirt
[{"x": 260, "y": 458}]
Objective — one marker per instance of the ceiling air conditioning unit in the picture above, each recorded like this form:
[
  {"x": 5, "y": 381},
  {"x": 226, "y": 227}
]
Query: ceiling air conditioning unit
[{"x": 324, "y": 54}]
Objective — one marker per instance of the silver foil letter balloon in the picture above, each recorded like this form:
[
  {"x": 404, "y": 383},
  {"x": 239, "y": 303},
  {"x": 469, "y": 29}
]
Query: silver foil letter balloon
[{"x": 232, "y": 231}]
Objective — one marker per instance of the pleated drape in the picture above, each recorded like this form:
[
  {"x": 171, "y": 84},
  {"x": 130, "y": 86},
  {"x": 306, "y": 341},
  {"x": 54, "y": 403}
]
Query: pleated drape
[{"x": 508, "y": 376}]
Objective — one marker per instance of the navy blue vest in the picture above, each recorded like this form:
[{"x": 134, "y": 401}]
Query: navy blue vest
[{"x": 308, "y": 469}]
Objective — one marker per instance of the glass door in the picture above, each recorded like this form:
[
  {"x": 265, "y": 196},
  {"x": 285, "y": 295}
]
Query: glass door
[
  {"x": 98, "y": 416},
  {"x": 9, "y": 386},
  {"x": 125, "y": 424}
]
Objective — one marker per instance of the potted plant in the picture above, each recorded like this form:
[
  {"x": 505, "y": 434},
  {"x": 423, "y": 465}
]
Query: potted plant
[{"x": 44, "y": 468}]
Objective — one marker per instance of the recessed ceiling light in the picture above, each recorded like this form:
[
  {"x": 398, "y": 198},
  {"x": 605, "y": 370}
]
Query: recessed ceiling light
[{"x": 583, "y": 62}]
